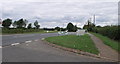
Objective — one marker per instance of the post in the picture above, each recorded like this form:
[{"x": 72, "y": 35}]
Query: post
[{"x": 94, "y": 19}]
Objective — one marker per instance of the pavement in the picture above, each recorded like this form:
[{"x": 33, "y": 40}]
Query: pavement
[
  {"x": 30, "y": 48},
  {"x": 105, "y": 50}
]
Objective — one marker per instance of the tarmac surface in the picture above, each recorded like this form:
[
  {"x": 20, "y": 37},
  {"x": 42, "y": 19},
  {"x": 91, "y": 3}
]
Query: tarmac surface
[{"x": 30, "y": 48}]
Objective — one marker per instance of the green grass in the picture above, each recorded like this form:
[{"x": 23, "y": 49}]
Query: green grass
[
  {"x": 113, "y": 44},
  {"x": 83, "y": 43}
]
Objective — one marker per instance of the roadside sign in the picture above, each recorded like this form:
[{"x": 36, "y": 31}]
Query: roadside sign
[{"x": 80, "y": 32}]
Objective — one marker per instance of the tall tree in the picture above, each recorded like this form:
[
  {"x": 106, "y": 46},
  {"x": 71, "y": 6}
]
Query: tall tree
[
  {"x": 89, "y": 26},
  {"x": 70, "y": 27},
  {"x": 36, "y": 24},
  {"x": 21, "y": 23},
  {"x": 57, "y": 28},
  {"x": 29, "y": 26},
  {"x": 14, "y": 24},
  {"x": 6, "y": 23},
  {"x": 75, "y": 28},
  {"x": 25, "y": 21}
]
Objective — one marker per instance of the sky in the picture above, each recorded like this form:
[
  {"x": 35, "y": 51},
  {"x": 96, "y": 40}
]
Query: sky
[{"x": 52, "y": 13}]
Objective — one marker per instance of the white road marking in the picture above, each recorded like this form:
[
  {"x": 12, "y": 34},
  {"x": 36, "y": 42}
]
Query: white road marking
[
  {"x": 28, "y": 41},
  {"x": 27, "y": 44},
  {"x": 0, "y": 46},
  {"x": 15, "y": 44}
]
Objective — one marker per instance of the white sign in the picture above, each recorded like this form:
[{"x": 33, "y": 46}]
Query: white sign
[{"x": 80, "y": 32}]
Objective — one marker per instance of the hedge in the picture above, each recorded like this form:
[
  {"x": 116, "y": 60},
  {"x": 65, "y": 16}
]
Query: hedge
[
  {"x": 16, "y": 31},
  {"x": 109, "y": 31}
]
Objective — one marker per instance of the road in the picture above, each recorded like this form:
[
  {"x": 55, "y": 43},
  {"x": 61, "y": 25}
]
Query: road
[
  {"x": 20, "y": 38},
  {"x": 33, "y": 49}
]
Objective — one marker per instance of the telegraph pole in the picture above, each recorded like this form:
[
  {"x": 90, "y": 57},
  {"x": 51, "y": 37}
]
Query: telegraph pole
[
  {"x": 90, "y": 19},
  {"x": 63, "y": 25},
  {"x": 94, "y": 19}
]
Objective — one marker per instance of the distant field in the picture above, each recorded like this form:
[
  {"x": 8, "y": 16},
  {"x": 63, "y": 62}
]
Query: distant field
[
  {"x": 113, "y": 44},
  {"x": 83, "y": 43}
]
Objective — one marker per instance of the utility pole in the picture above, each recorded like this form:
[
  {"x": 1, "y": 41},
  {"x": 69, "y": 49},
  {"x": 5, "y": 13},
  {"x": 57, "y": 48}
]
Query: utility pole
[
  {"x": 76, "y": 24},
  {"x": 63, "y": 25},
  {"x": 90, "y": 19},
  {"x": 94, "y": 19}
]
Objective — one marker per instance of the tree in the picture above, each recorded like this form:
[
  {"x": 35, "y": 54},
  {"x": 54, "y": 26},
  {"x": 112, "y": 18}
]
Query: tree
[
  {"x": 85, "y": 27},
  {"x": 14, "y": 24},
  {"x": 36, "y": 24},
  {"x": 57, "y": 28},
  {"x": 62, "y": 29},
  {"x": 21, "y": 23},
  {"x": 75, "y": 28},
  {"x": 6, "y": 23},
  {"x": 70, "y": 27},
  {"x": 29, "y": 26},
  {"x": 25, "y": 21},
  {"x": 89, "y": 26},
  {"x": 98, "y": 26}
]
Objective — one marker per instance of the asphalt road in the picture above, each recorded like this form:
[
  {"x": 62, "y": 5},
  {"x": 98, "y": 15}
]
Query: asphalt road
[
  {"x": 21, "y": 38},
  {"x": 32, "y": 49}
]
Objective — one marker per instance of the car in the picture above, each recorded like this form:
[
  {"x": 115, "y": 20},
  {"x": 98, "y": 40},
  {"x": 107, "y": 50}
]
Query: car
[{"x": 63, "y": 32}]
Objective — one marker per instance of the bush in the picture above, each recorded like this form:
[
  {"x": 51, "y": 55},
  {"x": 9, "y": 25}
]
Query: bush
[
  {"x": 109, "y": 31},
  {"x": 71, "y": 27}
]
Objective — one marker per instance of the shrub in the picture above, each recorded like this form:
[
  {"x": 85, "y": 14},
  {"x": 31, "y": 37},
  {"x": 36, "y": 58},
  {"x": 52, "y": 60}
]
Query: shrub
[{"x": 109, "y": 31}]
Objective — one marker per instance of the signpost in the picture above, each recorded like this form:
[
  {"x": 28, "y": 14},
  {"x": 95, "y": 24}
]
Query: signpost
[{"x": 80, "y": 32}]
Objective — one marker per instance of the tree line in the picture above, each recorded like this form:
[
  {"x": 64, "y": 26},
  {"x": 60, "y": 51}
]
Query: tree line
[
  {"x": 21, "y": 23},
  {"x": 70, "y": 28}
]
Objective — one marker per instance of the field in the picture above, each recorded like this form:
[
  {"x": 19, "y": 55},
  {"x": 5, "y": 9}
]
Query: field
[{"x": 83, "y": 43}]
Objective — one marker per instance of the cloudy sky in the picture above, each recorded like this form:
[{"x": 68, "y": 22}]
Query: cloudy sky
[{"x": 52, "y": 13}]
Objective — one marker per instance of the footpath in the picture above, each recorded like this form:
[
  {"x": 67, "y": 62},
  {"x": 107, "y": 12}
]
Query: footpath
[{"x": 105, "y": 51}]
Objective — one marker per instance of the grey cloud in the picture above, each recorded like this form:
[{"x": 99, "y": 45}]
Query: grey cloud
[
  {"x": 60, "y": 12},
  {"x": 119, "y": 8},
  {"x": 61, "y": 0}
]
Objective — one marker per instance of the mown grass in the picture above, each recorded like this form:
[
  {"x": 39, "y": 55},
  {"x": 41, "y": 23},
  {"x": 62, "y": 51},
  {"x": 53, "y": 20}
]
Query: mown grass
[
  {"x": 83, "y": 43},
  {"x": 113, "y": 44}
]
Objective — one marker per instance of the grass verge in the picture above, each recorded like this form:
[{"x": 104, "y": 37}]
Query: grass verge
[
  {"x": 113, "y": 44},
  {"x": 83, "y": 43}
]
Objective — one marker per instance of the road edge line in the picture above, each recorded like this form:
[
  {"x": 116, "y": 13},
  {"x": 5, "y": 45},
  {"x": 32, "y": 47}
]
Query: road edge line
[{"x": 14, "y": 44}]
